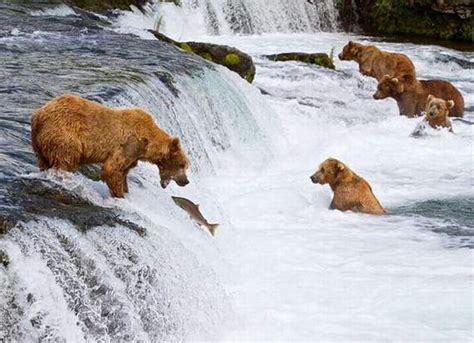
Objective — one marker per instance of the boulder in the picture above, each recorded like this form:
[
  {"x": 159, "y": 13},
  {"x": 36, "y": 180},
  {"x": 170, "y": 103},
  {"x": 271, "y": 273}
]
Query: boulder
[
  {"x": 105, "y": 5},
  {"x": 229, "y": 57},
  {"x": 320, "y": 59}
]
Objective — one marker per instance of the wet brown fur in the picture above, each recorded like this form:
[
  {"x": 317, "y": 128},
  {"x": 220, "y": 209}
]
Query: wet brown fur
[
  {"x": 377, "y": 63},
  {"x": 70, "y": 131},
  {"x": 412, "y": 95},
  {"x": 437, "y": 111},
  {"x": 351, "y": 192}
]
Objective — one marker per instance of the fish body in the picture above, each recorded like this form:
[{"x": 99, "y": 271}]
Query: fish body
[{"x": 193, "y": 210}]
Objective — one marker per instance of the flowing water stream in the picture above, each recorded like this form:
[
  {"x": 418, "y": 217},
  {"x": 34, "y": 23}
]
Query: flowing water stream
[{"x": 282, "y": 267}]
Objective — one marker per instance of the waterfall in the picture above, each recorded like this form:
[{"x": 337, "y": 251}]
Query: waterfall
[{"x": 214, "y": 17}]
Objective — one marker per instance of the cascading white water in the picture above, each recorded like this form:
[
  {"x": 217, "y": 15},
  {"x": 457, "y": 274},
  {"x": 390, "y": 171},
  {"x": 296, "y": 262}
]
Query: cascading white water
[
  {"x": 282, "y": 266},
  {"x": 185, "y": 19}
]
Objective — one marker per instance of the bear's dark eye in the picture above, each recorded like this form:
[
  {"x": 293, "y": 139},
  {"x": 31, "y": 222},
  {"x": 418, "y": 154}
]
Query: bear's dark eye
[{"x": 322, "y": 170}]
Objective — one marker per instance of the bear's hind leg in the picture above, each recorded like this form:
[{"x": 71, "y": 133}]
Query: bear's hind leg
[
  {"x": 43, "y": 163},
  {"x": 64, "y": 157}
]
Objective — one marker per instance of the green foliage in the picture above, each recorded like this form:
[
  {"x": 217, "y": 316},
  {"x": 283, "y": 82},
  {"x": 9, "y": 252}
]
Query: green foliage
[
  {"x": 417, "y": 18},
  {"x": 158, "y": 23},
  {"x": 331, "y": 55}
]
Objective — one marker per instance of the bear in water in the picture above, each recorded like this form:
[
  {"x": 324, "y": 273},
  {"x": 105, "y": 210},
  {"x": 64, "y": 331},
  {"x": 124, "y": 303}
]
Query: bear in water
[
  {"x": 411, "y": 94},
  {"x": 351, "y": 192}
]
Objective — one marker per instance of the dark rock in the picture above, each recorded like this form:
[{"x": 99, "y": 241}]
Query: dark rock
[
  {"x": 229, "y": 57},
  {"x": 441, "y": 19},
  {"x": 320, "y": 59},
  {"x": 28, "y": 198},
  {"x": 105, "y": 5},
  {"x": 4, "y": 259}
]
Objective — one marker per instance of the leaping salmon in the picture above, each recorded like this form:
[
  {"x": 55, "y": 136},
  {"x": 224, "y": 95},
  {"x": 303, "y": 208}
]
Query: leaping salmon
[{"x": 193, "y": 210}]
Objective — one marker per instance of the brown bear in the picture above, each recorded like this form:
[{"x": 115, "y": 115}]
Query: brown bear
[
  {"x": 411, "y": 94},
  {"x": 437, "y": 112},
  {"x": 351, "y": 192},
  {"x": 70, "y": 131},
  {"x": 377, "y": 63},
  {"x": 436, "y": 115}
]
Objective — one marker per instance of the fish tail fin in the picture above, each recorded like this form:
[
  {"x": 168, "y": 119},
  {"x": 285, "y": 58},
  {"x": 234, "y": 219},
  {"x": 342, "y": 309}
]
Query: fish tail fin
[{"x": 212, "y": 229}]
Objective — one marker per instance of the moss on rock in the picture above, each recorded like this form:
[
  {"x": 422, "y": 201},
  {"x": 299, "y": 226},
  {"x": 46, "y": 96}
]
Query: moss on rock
[
  {"x": 231, "y": 59},
  {"x": 206, "y": 56},
  {"x": 320, "y": 59},
  {"x": 185, "y": 47},
  {"x": 447, "y": 19}
]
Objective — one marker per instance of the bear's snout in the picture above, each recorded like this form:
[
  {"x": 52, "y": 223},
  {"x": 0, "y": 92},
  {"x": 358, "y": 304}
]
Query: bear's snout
[
  {"x": 376, "y": 96},
  {"x": 182, "y": 181},
  {"x": 341, "y": 56},
  {"x": 314, "y": 178}
]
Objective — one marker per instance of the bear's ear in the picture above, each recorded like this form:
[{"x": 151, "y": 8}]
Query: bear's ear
[
  {"x": 174, "y": 145},
  {"x": 340, "y": 167},
  {"x": 450, "y": 104},
  {"x": 430, "y": 97},
  {"x": 394, "y": 81}
]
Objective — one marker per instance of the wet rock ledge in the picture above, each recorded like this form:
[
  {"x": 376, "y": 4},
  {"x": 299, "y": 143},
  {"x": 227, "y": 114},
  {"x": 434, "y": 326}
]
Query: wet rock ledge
[
  {"x": 227, "y": 56},
  {"x": 23, "y": 200},
  {"x": 105, "y": 5}
]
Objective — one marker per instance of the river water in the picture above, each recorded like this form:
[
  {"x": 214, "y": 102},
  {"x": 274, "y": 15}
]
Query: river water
[{"x": 282, "y": 267}]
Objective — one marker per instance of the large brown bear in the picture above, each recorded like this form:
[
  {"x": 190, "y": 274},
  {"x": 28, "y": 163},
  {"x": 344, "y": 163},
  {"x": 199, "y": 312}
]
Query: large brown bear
[
  {"x": 412, "y": 94},
  {"x": 351, "y": 192},
  {"x": 70, "y": 131},
  {"x": 377, "y": 63}
]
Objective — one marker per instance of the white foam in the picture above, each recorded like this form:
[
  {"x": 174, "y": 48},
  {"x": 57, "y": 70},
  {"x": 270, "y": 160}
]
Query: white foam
[{"x": 58, "y": 11}]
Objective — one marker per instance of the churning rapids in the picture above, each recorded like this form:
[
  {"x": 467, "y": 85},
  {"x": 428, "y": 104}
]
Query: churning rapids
[{"x": 282, "y": 267}]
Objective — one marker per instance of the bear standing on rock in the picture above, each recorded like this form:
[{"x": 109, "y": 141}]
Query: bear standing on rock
[
  {"x": 377, "y": 63},
  {"x": 412, "y": 94},
  {"x": 70, "y": 131}
]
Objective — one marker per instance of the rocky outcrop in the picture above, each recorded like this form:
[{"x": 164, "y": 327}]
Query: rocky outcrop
[
  {"x": 105, "y": 5},
  {"x": 28, "y": 198},
  {"x": 443, "y": 19},
  {"x": 320, "y": 59},
  {"x": 229, "y": 57}
]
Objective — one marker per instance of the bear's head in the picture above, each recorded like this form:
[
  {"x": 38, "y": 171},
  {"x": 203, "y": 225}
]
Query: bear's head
[
  {"x": 330, "y": 171},
  {"x": 350, "y": 51},
  {"x": 437, "y": 109},
  {"x": 173, "y": 165},
  {"x": 389, "y": 86}
]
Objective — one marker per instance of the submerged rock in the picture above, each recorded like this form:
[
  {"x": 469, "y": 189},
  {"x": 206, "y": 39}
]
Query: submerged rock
[
  {"x": 320, "y": 59},
  {"x": 229, "y": 57},
  {"x": 4, "y": 259}
]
